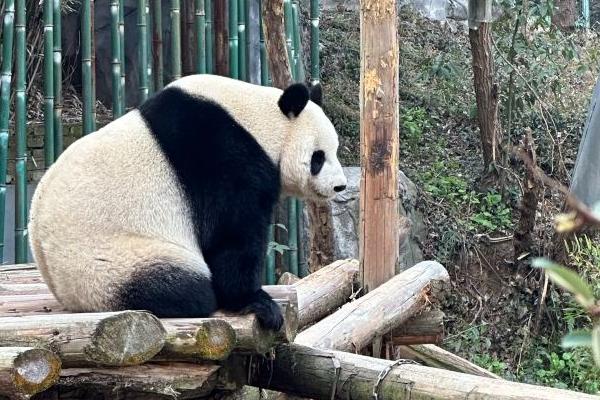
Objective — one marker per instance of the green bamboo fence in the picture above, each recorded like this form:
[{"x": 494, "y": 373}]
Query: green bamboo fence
[
  {"x": 200, "y": 12},
  {"x": 5, "y": 82},
  {"x": 233, "y": 39},
  {"x": 20, "y": 136},
  {"x": 143, "y": 50},
  {"x": 210, "y": 37},
  {"x": 58, "y": 97},
  {"x": 314, "y": 42},
  {"x": 87, "y": 72},
  {"x": 242, "y": 72},
  {"x": 48, "y": 83},
  {"x": 157, "y": 45},
  {"x": 175, "y": 40},
  {"x": 117, "y": 93},
  {"x": 122, "y": 53}
]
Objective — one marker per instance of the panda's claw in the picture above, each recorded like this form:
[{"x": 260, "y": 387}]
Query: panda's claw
[{"x": 267, "y": 311}]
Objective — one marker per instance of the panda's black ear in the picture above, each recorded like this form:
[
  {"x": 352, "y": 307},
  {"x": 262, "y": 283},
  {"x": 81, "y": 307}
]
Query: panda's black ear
[
  {"x": 316, "y": 94},
  {"x": 294, "y": 99}
]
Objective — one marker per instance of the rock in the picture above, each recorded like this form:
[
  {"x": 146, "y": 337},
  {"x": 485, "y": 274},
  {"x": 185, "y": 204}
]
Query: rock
[{"x": 345, "y": 210}]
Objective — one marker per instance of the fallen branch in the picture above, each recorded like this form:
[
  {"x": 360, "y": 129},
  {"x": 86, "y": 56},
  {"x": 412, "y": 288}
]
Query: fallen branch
[
  {"x": 356, "y": 324},
  {"x": 25, "y": 371},
  {"x": 112, "y": 339},
  {"x": 434, "y": 356}
]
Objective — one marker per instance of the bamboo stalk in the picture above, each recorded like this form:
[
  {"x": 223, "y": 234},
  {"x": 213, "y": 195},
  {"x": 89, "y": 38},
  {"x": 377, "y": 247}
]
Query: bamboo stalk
[
  {"x": 48, "y": 84},
  {"x": 270, "y": 267},
  {"x": 5, "y": 82},
  {"x": 297, "y": 43},
  {"x": 175, "y": 40},
  {"x": 150, "y": 66},
  {"x": 93, "y": 65},
  {"x": 293, "y": 235},
  {"x": 264, "y": 63},
  {"x": 21, "y": 136},
  {"x": 87, "y": 72},
  {"x": 201, "y": 36},
  {"x": 315, "y": 72},
  {"x": 157, "y": 45},
  {"x": 116, "y": 60},
  {"x": 58, "y": 97},
  {"x": 210, "y": 39},
  {"x": 288, "y": 21},
  {"x": 142, "y": 23},
  {"x": 122, "y": 54},
  {"x": 233, "y": 40},
  {"x": 243, "y": 72}
]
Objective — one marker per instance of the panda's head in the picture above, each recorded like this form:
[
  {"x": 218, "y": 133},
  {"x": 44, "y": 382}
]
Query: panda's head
[{"x": 309, "y": 164}]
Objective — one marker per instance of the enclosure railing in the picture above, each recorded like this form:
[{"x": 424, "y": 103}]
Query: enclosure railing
[{"x": 151, "y": 77}]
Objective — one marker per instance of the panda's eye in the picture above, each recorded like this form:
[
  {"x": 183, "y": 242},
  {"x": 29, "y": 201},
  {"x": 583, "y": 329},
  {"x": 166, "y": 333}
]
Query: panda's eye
[{"x": 317, "y": 161}]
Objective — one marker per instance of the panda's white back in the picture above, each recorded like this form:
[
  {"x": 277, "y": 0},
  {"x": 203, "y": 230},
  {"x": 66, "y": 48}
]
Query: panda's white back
[{"x": 106, "y": 204}]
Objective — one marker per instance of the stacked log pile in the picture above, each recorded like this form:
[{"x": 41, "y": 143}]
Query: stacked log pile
[{"x": 49, "y": 353}]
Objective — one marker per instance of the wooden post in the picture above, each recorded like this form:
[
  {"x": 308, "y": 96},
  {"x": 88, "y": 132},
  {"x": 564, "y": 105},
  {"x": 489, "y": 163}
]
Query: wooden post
[{"x": 379, "y": 138}]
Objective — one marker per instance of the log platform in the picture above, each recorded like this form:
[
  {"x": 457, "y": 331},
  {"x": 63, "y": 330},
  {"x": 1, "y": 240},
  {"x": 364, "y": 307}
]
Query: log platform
[{"x": 48, "y": 353}]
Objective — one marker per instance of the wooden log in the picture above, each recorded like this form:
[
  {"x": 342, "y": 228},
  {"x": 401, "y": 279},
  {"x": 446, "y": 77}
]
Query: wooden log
[
  {"x": 197, "y": 339},
  {"x": 317, "y": 374},
  {"x": 287, "y": 278},
  {"x": 325, "y": 290},
  {"x": 29, "y": 304},
  {"x": 434, "y": 356},
  {"x": 427, "y": 327},
  {"x": 25, "y": 371},
  {"x": 148, "y": 381},
  {"x": 379, "y": 142},
  {"x": 112, "y": 339},
  {"x": 356, "y": 324}
]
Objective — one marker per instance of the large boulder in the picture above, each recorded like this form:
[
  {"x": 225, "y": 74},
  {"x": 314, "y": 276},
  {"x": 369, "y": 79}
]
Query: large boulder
[{"x": 345, "y": 210}]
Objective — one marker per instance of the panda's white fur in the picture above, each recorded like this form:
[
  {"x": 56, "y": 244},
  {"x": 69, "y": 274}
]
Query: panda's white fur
[{"x": 112, "y": 210}]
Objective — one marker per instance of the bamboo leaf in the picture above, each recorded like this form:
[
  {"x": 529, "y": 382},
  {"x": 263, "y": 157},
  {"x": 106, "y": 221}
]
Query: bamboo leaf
[
  {"x": 577, "y": 339},
  {"x": 568, "y": 279}
]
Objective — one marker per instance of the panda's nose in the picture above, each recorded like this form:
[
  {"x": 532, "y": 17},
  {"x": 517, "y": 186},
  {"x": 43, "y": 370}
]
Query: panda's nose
[{"x": 339, "y": 188}]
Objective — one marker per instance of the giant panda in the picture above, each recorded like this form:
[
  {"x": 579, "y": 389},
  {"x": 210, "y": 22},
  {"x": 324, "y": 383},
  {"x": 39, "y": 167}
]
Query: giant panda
[{"x": 167, "y": 208}]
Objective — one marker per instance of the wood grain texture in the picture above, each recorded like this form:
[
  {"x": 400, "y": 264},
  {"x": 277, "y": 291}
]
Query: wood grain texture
[
  {"x": 356, "y": 324},
  {"x": 317, "y": 374},
  {"x": 25, "y": 371},
  {"x": 379, "y": 142}
]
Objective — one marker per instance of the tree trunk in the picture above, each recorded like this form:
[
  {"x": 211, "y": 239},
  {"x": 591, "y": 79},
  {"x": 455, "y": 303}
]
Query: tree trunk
[
  {"x": 565, "y": 14},
  {"x": 321, "y": 238},
  {"x": 221, "y": 35},
  {"x": 486, "y": 93},
  {"x": 317, "y": 374},
  {"x": 379, "y": 142},
  {"x": 356, "y": 324}
]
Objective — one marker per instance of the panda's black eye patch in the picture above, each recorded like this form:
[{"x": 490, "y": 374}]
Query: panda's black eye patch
[{"x": 317, "y": 161}]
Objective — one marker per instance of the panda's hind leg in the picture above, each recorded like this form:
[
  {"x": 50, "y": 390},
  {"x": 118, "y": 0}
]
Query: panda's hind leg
[
  {"x": 168, "y": 290},
  {"x": 164, "y": 278}
]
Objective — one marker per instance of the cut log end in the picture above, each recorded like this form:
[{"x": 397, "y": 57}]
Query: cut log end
[
  {"x": 126, "y": 338},
  {"x": 27, "y": 371},
  {"x": 201, "y": 338}
]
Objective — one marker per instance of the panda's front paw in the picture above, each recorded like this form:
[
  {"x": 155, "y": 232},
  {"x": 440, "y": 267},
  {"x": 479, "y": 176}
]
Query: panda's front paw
[{"x": 267, "y": 311}]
